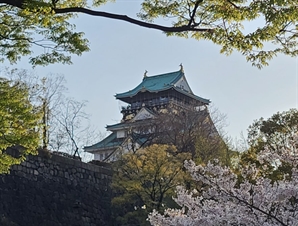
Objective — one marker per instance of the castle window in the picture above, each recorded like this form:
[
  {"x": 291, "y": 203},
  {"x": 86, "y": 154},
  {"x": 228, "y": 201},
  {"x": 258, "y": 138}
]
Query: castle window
[{"x": 121, "y": 133}]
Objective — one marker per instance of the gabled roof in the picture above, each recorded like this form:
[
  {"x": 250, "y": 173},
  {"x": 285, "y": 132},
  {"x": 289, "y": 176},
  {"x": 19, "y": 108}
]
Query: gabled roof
[
  {"x": 159, "y": 83},
  {"x": 143, "y": 114},
  {"x": 110, "y": 141}
]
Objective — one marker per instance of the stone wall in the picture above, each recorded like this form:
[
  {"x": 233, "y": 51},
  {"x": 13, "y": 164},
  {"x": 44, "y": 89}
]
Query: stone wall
[{"x": 52, "y": 190}]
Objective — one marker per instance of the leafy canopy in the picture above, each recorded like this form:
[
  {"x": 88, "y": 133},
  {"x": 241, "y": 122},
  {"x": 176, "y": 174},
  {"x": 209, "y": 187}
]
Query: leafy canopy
[
  {"x": 18, "y": 123},
  {"x": 27, "y": 23},
  {"x": 227, "y": 23},
  {"x": 276, "y": 133},
  {"x": 145, "y": 180}
]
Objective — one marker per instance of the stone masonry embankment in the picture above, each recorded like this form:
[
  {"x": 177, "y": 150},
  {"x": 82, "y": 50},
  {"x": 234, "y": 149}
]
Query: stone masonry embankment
[{"x": 52, "y": 190}]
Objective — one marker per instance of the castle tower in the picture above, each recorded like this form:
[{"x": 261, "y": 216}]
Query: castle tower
[{"x": 154, "y": 95}]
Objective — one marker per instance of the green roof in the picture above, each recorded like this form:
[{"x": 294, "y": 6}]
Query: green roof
[
  {"x": 112, "y": 141},
  {"x": 109, "y": 142},
  {"x": 116, "y": 126},
  {"x": 124, "y": 125},
  {"x": 159, "y": 83},
  {"x": 154, "y": 84}
]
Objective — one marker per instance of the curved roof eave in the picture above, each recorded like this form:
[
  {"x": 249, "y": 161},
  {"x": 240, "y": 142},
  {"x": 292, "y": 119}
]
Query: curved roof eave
[
  {"x": 158, "y": 83},
  {"x": 124, "y": 95},
  {"x": 206, "y": 101}
]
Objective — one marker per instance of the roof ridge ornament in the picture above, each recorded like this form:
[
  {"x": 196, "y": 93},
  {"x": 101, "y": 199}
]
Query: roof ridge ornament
[
  {"x": 145, "y": 73},
  {"x": 181, "y": 68}
]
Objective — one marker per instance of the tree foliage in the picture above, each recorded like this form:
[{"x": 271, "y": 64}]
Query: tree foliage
[
  {"x": 64, "y": 124},
  {"x": 27, "y": 23},
  {"x": 190, "y": 130},
  {"x": 145, "y": 180},
  {"x": 182, "y": 127},
  {"x": 19, "y": 123},
  {"x": 276, "y": 132},
  {"x": 207, "y": 149},
  {"x": 228, "y": 23},
  {"x": 224, "y": 200}
]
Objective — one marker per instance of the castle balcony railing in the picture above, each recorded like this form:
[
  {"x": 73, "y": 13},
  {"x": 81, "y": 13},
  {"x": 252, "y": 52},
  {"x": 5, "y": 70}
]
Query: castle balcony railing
[
  {"x": 155, "y": 103},
  {"x": 150, "y": 103}
]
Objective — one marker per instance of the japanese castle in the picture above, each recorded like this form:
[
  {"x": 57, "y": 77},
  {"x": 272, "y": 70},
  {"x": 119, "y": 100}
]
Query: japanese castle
[{"x": 150, "y": 98}]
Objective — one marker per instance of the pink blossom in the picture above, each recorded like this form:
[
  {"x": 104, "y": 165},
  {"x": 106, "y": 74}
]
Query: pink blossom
[{"x": 224, "y": 202}]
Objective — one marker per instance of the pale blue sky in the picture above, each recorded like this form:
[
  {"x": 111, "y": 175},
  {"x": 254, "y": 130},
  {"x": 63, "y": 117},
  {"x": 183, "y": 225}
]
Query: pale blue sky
[{"x": 121, "y": 52}]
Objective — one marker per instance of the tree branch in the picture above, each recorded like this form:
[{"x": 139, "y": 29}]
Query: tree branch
[
  {"x": 233, "y": 4},
  {"x": 243, "y": 201},
  {"x": 16, "y": 3},
  {"x": 20, "y": 4},
  {"x": 192, "y": 17},
  {"x": 130, "y": 20}
]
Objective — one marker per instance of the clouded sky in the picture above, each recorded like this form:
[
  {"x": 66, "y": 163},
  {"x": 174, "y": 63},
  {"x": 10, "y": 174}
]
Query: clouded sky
[{"x": 121, "y": 52}]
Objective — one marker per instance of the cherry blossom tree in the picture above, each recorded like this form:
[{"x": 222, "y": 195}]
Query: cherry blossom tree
[{"x": 247, "y": 198}]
